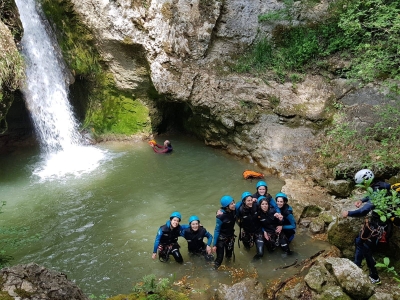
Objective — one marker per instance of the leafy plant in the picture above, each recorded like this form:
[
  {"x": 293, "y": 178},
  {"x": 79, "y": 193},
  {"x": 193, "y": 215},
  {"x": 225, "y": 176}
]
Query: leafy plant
[
  {"x": 151, "y": 285},
  {"x": 391, "y": 270}
]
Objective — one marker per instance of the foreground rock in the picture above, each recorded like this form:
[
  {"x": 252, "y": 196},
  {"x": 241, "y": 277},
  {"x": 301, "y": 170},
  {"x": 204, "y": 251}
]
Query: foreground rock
[{"x": 35, "y": 282}]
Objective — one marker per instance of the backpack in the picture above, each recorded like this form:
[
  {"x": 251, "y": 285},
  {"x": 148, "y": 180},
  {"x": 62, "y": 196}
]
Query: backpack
[
  {"x": 395, "y": 187},
  {"x": 247, "y": 174}
]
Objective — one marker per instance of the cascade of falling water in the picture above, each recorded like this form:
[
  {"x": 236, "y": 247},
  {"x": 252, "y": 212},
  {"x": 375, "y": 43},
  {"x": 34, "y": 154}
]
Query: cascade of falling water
[
  {"x": 46, "y": 90},
  {"x": 46, "y": 96}
]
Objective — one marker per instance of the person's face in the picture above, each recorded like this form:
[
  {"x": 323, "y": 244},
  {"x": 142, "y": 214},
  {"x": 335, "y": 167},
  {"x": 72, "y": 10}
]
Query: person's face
[
  {"x": 174, "y": 222},
  {"x": 280, "y": 202},
  {"x": 248, "y": 201},
  {"x": 262, "y": 190},
  {"x": 194, "y": 225},
  {"x": 231, "y": 206},
  {"x": 264, "y": 205}
]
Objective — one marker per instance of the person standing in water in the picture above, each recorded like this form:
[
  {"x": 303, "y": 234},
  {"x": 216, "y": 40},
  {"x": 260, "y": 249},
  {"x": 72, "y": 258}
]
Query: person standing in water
[
  {"x": 224, "y": 234},
  {"x": 166, "y": 242},
  {"x": 194, "y": 235},
  {"x": 166, "y": 148}
]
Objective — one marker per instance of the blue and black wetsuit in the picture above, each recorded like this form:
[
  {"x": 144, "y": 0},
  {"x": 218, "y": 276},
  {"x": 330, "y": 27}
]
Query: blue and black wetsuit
[
  {"x": 166, "y": 242},
  {"x": 195, "y": 241},
  {"x": 251, "y": 232},
  {"x": 224, "y": 235},
  {"x": 269, "y": 223},
  {"x": 289, "y": 222},
  {"x": 366, "y": 241}
]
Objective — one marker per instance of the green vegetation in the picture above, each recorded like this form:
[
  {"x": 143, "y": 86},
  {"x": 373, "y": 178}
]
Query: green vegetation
[
  {"x": 390, "y": 270},
  {"x": 374, "y": 148},
  {"x": 110, "y": 111},
  {"x": 152, "y": 289},
  {"x": 366, "y": 33}
]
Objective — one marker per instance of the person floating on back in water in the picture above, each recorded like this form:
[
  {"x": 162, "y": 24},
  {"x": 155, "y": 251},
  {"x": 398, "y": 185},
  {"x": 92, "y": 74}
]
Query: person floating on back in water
[
  {"x": 166, "y": 148},
  {"x": 194, "y": 235},
  {"x": 166, "y": 241}
]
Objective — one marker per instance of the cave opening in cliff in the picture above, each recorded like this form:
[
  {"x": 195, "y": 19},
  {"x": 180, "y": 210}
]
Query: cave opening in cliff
[{"x": 175, "y": 117}]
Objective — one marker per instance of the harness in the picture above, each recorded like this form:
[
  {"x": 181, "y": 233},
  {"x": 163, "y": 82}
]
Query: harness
[
  {"x": 164, "y": 252},
  {"x": 373, "y": 231},
  {"x": 230, "y": 242}
]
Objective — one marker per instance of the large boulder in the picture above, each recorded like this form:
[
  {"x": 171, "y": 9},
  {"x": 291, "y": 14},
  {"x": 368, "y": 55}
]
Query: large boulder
[
  {"x": 38, "y": 283},
  {"x": 249, "y": 289}
]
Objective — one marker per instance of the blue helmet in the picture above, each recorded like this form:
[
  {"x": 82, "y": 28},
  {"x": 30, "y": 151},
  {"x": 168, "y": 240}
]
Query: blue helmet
[
  {"x": 283, "y": 195},
  {"x": 261, "y": 183},
  {"x": 226, "y": 200},
  {"x": 261, "y": 198},
  {"x": 194, "y": 218},
  {"x": 245, "y": 195},
  {"x": 175, "y": 214}
]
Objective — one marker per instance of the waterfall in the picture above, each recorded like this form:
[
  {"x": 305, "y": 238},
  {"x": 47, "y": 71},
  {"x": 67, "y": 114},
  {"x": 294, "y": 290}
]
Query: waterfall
[{"x": 46, "y": 96}]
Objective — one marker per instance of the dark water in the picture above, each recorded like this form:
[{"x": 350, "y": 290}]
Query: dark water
[{"x": 99, "y": 228}]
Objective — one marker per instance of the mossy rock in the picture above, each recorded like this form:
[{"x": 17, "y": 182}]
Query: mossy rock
[
  {"x": 342, "y": 235},
  {"x": 311, "y": 211}
]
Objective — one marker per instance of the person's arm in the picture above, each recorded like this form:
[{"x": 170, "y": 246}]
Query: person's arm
[
  {"x": 363, "y": 211},
  {"x": 272, "y": 202},
  {"x": 292, "y": 222},
  {"x": 157, "y": 242},
  {"x": 216, "y": 232},
  {"x": 160, "y": 149}
]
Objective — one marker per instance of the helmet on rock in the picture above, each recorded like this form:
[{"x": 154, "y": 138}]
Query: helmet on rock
[
  {"x": 261, "y": 183},
  {"x": 245, "y": 195},
  {"x": 226, "y": 200},
  {"x": 283, "y": 195},
  {"x": 175, "y": 214},
  {"x": 364, "y": 174},
  {"x": 194, "y": 218}
]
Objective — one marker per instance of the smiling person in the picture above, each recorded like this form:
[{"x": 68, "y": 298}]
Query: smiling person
[
  {"x": 250, "y": 227},
  {"x": 194, "y": 236},
  {"x": 166, "y": 242},
  {"x": 289, "y": 223},
  {"x": 224, "y": 233},
  {"x": 262, "y": 190}
]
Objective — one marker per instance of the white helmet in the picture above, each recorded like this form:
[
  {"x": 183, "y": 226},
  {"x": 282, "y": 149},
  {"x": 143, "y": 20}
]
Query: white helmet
[{"x": 364, "y": 174}]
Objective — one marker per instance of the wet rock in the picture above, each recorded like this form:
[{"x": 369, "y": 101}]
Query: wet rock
[
  {"x": 340, "y": 188},
  {"x": 317, "y": 226},
  {"x": 35, "y": 282},
  {"x": 249, "y": 289}
]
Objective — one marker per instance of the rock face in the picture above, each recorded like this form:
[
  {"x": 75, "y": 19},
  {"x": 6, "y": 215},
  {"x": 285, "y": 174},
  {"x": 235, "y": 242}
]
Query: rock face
[
  {"x": 249, "y": 289},
  {"x": 38, "y": 283}
]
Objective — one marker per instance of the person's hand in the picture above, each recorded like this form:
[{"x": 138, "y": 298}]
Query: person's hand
[
  {"x": 278, "y": 229},
  {"x": 208, "y": 250},
  {"x": 154, "y": 256},
  {"x": 214, "y": 249},
  {"x": 266, "y": 236},
  {"x": 278, "y": 216},
  {"x": 358, "y": 203},
  {"x": 219, "y": 212},
  {"x": 255, "y": 199},
  {"x": 345, "y": 214}
]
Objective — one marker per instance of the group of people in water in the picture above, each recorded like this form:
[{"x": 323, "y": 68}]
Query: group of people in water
[{"x": 264, "y": 222}]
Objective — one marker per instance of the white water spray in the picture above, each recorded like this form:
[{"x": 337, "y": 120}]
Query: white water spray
[{"x": 46, "y": 97}]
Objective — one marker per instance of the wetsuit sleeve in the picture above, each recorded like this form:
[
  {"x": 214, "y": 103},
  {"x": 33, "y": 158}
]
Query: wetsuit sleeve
[
  {"x": 292, "y": 221},
  {"x": 183, "y": 228},
  {"x": 362, "y": 211},
  {"x": 160, "y": 149},
  {"x": 157, "y": 241},
  {"x": 217, "y": 230},
  {"x": 274, "y": 205},
  {"x": 209, "y": 238}
]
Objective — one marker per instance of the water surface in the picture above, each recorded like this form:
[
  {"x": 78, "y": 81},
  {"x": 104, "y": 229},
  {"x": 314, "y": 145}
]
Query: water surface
[{"x": 99, "y": 228}]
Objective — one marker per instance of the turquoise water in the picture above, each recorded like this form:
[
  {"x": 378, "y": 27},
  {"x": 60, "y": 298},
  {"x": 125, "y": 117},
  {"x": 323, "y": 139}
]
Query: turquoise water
[{"x": 99, "y": 228}]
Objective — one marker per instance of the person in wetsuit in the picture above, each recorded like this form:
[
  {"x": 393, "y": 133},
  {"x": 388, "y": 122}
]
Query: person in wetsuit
[
  {"x": 166, "y": 148},
  {"x": 289, "y": 222},
  {"x": 224, "y": 233},
  {"x": 250, "y": 227},
  {"x": 271, "y": 223},
  {"x": 166, "y": 242},
  {"x": 262, "y": 190},
  {"x": 194, "y": 236}
]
